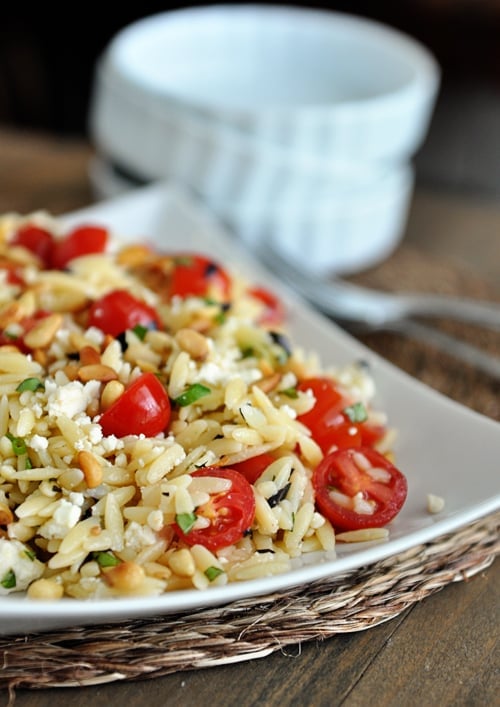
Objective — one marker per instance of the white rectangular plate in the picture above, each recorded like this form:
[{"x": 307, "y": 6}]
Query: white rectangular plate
[{"x": 443, "y": 448}]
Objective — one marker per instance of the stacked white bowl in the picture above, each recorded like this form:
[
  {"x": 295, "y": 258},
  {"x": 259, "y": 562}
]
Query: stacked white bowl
[{"x": 295, "y": 126}]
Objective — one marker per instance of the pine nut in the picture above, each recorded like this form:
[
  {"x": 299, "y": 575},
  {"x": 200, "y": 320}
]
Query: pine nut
[
  {"x": 133, "y": 255},
  {"x": 9, "y": 313},
  {"x": 91, "y": 467},
  {"x": 40, "y": 356},
  {"x": 112, "y": 391},
  {"x": 182, "y": 563},
  {"x": 127, "y": 576},
  {"x": 42, "y": 334},
  {"x": 6, "y": 515},
  {"x": 194, "y": 343},
  {"x": 269, "y": 382},
  {"x": 45, "y": 589},
  {"x": 70, "y": 370},
  {"x": 89, "y": 356},
  {"x": 98, "y": 372}
]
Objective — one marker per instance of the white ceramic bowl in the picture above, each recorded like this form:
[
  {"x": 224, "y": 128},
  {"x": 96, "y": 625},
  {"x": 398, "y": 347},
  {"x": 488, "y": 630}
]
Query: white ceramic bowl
[
  {"x": 321, "y": 82},
  {"x": 289, "y": 123},
  {"x": 341, "y": 232}
]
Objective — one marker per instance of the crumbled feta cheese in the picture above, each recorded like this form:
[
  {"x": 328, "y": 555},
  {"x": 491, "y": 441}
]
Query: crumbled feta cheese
[
  {"x": 65, "y": 517},
  {"x": 38, "y": 443},
  {"x": 435, "y": 504},
  {"x": 71, "y": 399},
  {"x": 289, "y": 411},
  {"x": 138, "y": 536},
  {"x": 18, "y": 567}
]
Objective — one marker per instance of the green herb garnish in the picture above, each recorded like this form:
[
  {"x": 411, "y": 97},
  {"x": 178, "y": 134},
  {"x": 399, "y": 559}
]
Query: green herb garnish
[
  {"x": 290, "y": 393},
  {"x": 192, "y": 394},
  {"x": 356, "y": 412},
  {"x": 212, "y": 573},
  {"x": 106, "y": 559},
  {"x": 32, "y": 384},
  {"x": 140, "y": 331},
  {"x": 185, "y": 521},
  {"x": 9, "y": 580},
  {"x": 18, "y": 444},
  {"x": 30, "y": 555}
]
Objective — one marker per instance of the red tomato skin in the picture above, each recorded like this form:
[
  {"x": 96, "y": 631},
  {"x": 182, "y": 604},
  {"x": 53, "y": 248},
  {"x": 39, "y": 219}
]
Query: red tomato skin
[
  {"x": 81, "y": 240},
  {"x": 330, "y": 426},
  {"x": 338, "y": 470},
  {"x": 37, "y": 240},
  {"x": 231, "y": 513},
  {"x": 274, "y": 312},
  {"x": 195, "y": 275},
  {"x": 144, "y": 408},
  {"x": 252, "y": 469},
  {"x": 118, "y": 311}
]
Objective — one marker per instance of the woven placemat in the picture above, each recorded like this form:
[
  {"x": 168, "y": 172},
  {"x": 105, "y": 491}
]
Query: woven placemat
[
  {"x": 249, "y": 628},
  {"x": 255, "y": 627}
]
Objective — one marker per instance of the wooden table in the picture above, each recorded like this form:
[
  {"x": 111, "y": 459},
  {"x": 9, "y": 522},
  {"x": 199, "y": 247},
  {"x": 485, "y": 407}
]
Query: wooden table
[{"x": 441, "y": 651}]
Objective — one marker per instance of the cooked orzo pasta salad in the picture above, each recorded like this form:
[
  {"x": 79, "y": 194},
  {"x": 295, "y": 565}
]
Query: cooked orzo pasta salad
[{"x": 159, "y": 430}]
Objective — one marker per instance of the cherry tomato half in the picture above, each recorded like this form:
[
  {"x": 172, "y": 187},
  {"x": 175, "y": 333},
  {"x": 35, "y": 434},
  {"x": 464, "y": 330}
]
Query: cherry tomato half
[
  {"x": 230, "y": 513},
  {"x": 197, "y": 276},
  {"x": 331, "y": 427},
  {"x": 344, "y": 474},
  {"x": 253, "y": 468},
  {"x": 274, "y": 311},
  {"x": 82, "y": 240},
  {"x": 118, "y": 311},
  {"x": 144, "y": 408},
  {"x": 37, "y": 240}
]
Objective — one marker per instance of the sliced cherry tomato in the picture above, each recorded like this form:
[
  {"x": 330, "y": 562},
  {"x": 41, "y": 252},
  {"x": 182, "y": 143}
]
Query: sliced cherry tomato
[
  {"x": 362, "y": 473},
  {"x": 144, "y": 408},
  {"x": 230, "y": 513},
  {"x": 37, "y": 240},
  {"x": 330, "y": 424},
  {"x": 253, "y": 468},
  {"x": 118, "y": 311},
  {"x": 198, "y": 276},
  {"x": 274, "y": 311},
  {"x": 82, "y": 240}
]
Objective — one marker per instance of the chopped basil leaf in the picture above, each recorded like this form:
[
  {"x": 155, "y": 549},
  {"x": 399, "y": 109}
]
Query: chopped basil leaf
[
  {"x": 220, "y": 318},
  {"x": 192, "y": 394},
  {"x": 18, "y": 444},
  {"x": 30, "y": 554},
  {"x": 27, "y": 463},
  {"x": 356, "y": 412},
  {"x": 290, "y": 393},
  {"x": 106, "y": 559},
  {"x": 29, "y": 384},
  {"x": 8, "y": 581},
  {"x": 185, "y": 521},
  {"x": 212, "y": 573},
  {"x": 140, "y": 331}
]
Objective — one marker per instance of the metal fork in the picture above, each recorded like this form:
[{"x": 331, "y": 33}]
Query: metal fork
[{"x": 356, "y": 307}]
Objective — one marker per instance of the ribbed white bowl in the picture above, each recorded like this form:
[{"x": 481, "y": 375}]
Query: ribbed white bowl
[{"x": 320, "y": 82}]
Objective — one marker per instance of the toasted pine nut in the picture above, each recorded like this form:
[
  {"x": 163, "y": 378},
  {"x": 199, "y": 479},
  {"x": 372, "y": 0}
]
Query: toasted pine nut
[
  {"x": 269, "y": 382},
  {"x": 42, "y": 334},
  {"x": 9, "y": 313},
  {"x": 127, "y": 576},
  {"x": 78, "y": 341},
  {"x": 89, "y": 355},
  {"x": 45, "y": 589},
  {"x": 91, "y": 467},
  {"x": 194, "y": 343},
  {"x": 6, "y": 515},
  {"x": 182, "y": 563},
  {"x": 70, "y": 370},
  {"x": 28, "y": 303},
  {"x": 98, "y": 372},
  {"x": 112, "y": 391},
  {"x": 133, "y": 255}
]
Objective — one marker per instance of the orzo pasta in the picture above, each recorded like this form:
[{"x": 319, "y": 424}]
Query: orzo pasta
[{"x": 160, "y": 431}]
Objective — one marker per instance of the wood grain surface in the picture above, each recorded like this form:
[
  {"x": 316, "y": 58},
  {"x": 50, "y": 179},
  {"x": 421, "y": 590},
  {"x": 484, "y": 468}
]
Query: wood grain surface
[{"x": 444, "y": 650}]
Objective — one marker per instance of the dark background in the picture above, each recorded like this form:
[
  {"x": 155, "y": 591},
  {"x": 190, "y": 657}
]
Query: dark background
[{"x": 47, "y": 60}]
